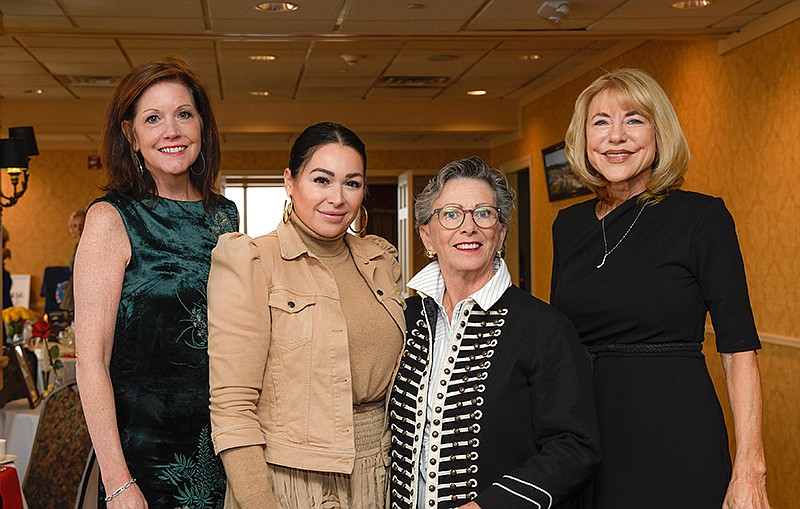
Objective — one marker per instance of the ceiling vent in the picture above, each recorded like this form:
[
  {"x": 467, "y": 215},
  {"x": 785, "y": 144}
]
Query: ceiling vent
[
  {"x": 413, "y": 81},
  {"x": 89, "y": 81}
]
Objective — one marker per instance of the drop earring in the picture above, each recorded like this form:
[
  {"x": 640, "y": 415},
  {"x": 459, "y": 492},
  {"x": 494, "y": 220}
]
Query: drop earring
[
  {"x": 197, "y": 174},
  {"x": 288, "y": 208}
]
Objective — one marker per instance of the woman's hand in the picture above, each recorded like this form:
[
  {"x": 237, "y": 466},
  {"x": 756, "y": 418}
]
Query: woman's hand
[
  {"x": 131, "y": 498},
  {"x": 747, "y": 491},
  {"x": 470, "y": 505}
]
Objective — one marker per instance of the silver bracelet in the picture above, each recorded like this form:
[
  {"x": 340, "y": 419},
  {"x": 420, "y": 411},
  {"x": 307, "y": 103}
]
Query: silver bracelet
[{"x": 120, "y": 490}]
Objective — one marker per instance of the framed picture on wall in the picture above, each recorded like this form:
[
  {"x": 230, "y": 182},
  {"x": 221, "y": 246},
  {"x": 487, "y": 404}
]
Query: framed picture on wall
[
  {"x": 561, "y": 182},
  {"x": 27, "y": 375}
]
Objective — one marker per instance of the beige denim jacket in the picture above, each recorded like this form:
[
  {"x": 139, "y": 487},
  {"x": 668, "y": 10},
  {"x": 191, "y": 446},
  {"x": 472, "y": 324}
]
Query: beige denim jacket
[{"x": 279, "y": 358}]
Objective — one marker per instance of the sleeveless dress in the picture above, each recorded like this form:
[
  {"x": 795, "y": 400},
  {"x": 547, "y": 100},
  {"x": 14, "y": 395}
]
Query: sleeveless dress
[{"x": 159, "y": 361}]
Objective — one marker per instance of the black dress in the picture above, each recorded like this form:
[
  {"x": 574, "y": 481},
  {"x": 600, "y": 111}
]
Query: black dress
[
  {"x": 159, "y": 361},
  {"x": 663, "y": 436}
]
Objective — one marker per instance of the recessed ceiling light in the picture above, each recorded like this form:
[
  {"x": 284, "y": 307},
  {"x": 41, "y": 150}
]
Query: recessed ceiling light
[
  {"x": 415, "y": 6},
  {"x": 37, "y": 91},
  {"x": 530, "y": 57},
  {"x": 261, "y": 94},
  {"x": 692, "y": 4},
  {"x": 263, "y": 58},
  {"x": 476, "y": 92},
  {"x": 277, "y": 6}
]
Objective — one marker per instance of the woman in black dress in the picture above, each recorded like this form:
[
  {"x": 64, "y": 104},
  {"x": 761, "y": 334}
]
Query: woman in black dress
[{"x": 637, "y": 269}]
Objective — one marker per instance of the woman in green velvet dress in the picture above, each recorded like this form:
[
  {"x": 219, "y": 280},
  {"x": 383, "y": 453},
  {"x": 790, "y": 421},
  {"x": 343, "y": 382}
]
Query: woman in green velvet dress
[{"x": 140, "y": 293}]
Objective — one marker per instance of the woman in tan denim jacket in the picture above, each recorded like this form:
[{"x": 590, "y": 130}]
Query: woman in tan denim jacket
[{"x": 305, "y": 333}]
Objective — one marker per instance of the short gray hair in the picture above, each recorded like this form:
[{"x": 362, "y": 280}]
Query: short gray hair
[{"x": 470, "y": 168}]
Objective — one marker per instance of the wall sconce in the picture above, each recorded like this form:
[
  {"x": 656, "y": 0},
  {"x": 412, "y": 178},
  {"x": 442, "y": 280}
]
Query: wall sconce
[{"x": 15, "y": 153}]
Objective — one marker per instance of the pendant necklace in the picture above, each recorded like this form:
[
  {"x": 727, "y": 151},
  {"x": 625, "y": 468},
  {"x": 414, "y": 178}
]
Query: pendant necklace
[{"x": 606, "y": 252}]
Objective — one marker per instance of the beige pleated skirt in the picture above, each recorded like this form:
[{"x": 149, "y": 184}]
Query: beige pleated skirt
[{"x": 365, "y": 488}]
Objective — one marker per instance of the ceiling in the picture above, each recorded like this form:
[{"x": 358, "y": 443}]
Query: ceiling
[{"x": 396, "y": 71}]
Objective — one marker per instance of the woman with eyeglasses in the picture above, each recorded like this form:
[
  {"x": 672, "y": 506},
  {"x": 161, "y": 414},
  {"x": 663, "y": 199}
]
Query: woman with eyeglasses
[{"x": 492, "y": 404}]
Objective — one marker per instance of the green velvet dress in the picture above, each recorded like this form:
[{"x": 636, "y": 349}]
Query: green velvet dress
[{"x": 159, "y": 362}]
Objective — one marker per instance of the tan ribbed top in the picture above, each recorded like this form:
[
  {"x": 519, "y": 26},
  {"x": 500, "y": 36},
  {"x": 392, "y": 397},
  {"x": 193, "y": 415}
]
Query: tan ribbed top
[{"x": 373, "y": 337}]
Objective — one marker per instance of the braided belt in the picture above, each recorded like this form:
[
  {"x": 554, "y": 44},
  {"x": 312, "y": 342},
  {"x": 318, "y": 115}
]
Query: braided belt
[{"x": 645, "y": 348}]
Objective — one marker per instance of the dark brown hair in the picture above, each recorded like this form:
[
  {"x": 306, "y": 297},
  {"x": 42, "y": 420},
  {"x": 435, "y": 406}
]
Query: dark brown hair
[
  {"x": 317, "y": 135},
  {"x": 119, "y": 158}
]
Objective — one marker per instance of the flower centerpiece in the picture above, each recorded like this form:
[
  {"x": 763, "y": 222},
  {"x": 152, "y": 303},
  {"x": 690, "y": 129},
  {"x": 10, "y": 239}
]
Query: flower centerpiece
[
  {"x": 14, "y": 319},
  {"x": 41, "y": 332}
]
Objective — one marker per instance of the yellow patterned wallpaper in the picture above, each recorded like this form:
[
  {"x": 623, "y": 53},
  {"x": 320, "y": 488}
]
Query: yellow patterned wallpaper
[
  {"x": 59, "y": 183},
  {"x": 738, "y": 111}
]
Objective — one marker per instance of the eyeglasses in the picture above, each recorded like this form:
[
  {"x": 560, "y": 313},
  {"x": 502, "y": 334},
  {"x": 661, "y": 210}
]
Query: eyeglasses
[{"x": 452, "y": 216}]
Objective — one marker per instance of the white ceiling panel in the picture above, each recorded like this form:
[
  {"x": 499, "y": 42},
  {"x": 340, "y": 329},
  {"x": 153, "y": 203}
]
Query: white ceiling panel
[
  {"x": 245, "y": 10},
  {"x": 118, "y": 9},
  {"x": 418, "y": 63},
  {"x": 11, "y": 22},
  {"x": 403, "y": 93},
  {"x": 74, "y": 43},
  {"x": 272, "y": 28},
  {"x": 764, "y": 7},
  {"x": 663, "y": 9},
  {"x": 166, "y": 25},
  {"x": 30, "y": 8},
  {"x": 736, "y": 21},
  {"x": 322, "y": 92},
  {"x": 654, "y": 25},
  {"x": 402, "y": 27}
]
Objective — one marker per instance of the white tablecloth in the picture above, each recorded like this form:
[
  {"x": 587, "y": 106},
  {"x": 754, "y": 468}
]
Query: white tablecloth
[{"x": 18, "y": 423}]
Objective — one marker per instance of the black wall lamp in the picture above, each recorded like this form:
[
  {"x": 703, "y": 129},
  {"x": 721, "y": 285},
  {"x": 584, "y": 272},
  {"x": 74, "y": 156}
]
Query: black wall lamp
[{"x": 15, "y": 154}]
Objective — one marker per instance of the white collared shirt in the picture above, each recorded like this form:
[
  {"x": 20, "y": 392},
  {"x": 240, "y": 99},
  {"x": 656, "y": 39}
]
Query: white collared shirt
[{"x": 429, "y": 283}]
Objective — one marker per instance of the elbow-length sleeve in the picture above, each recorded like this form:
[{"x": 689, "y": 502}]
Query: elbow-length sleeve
[
  {"x": 719, "y": 269},
  {"x": 238, "y": 340}
]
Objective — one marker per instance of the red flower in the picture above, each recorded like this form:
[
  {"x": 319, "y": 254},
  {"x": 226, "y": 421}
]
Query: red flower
[{"x": 41, "y": 329}]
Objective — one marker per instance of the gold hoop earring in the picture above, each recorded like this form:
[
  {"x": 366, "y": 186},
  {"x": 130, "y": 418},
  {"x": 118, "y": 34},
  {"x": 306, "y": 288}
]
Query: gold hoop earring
[
  {"x": 288, "y": 208},
  {"x": 430, "y": 255},
  {"x": 364, "y": 221}
]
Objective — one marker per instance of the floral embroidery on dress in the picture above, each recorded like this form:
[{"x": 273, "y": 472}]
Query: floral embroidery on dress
[
  {"x": 199, "y": 478},
  {"x": 195, "y": 335},
  {"x": 219, "y": 222}
]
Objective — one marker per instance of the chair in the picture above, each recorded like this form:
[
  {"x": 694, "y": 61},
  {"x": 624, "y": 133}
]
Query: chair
[{"x": 62, "y": 455}]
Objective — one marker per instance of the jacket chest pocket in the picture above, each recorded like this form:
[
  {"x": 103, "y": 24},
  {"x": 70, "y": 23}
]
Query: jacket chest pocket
[{"x": 292, "y": 317}]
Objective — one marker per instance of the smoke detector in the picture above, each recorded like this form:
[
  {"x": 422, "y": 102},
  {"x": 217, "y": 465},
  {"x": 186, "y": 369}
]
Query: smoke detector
[
  {"x": 351, "y": 59},
  {"x": 553, "y": 11}
]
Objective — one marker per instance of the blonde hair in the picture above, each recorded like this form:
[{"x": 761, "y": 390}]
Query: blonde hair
[{"x": 638, "y": 90}]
